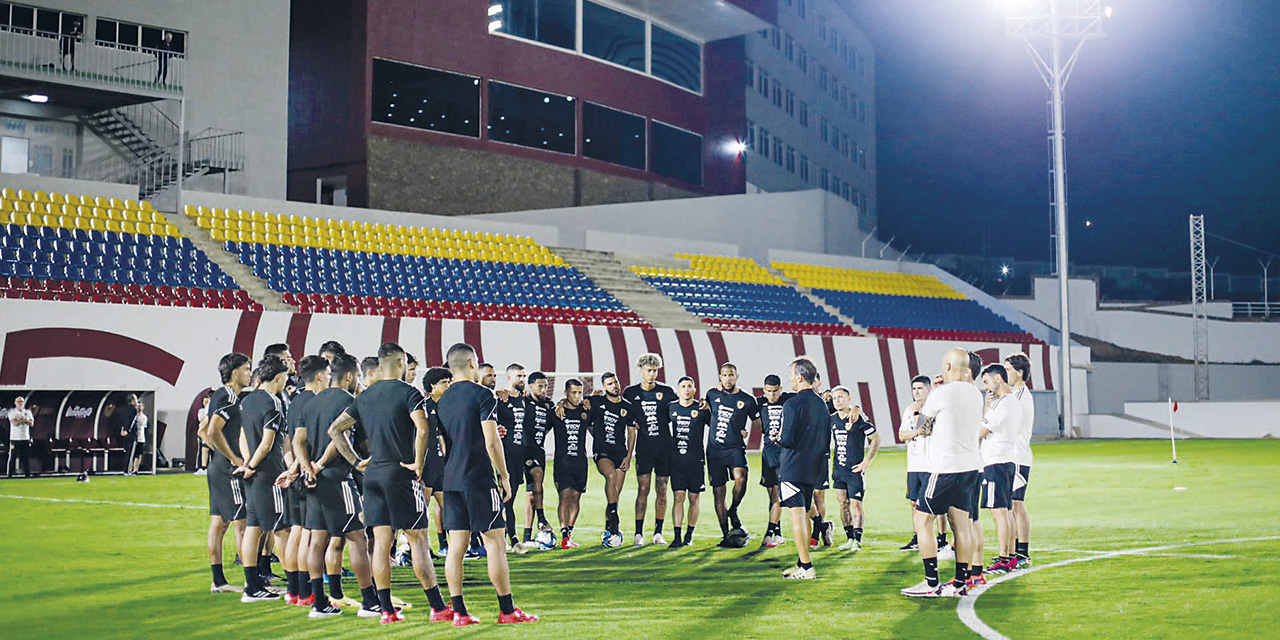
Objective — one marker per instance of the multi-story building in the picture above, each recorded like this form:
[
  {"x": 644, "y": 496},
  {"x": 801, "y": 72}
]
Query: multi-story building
[{"x": 811, "y": 105}]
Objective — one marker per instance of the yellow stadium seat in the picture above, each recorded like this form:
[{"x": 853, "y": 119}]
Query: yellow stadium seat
[
  {"x": 57, "y": 198},
  {"x": 145, "y": 205},
  {"x": 41, "y": 196},
  {"x": 113, "y": 225},
  {"x": 218, "y": 235},
  {"x": 9, "y": 194},
  {"x": 127, "y": 227}
]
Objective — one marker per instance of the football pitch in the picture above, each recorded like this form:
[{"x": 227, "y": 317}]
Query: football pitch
[{"x": 1125, "y": 545}]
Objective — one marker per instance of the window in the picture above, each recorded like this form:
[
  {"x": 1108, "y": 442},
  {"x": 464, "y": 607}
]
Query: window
[
  {"x": 822, "y": 28},
  {"x": 791, "y": 159},
  {"x": 822, "y": 128},
  {"x": 862, "y": 113},
  {"x": 41, "y": 159},
  {"x": 422, "y": 98},
  {"x": 835, "y": 138},
  {"x": 677, "y": 153},
  {"x": 113, "y": 33},
  {"x": 803, "y": 61},
  {"x": 804, "y": 168},
  {"x": 762, "y": 83},
  {"x": 676, "y": 59},
  {"x": 822, "y": 77},
  {"x": 804, "y": 114},
  {"x": 552, "y": 22},
  {"x": 751, "y": 74},
  {"x": 824, "y": 179},
  {"x": 862, "y": 68},
  {"x": 790, "y": 49},
  {"x": 835, "y": 89},
  {"x": 531, "y": 118},
  {"x": 790, "y": 103},
  {"x": 751, "y": 135},
  {"x": 775, "y": 38},
  {"x": 844, "y": 98},
  {"x": 68, "y": 163},
  {"x": 777, "y": 151},
  {"x": 862, "y": 202},
  {"x": 862, "y": 158},
  {"x": 802, "y": 6},
  {"x": 844, "y": 145},
  {"x": 764, "y": 142},
  {"x": 777, "y": 94},
  {"x": 613, "y": 36},
  {"x": 853, "y": 195},
  {"x": 613, "y": 136},
  {"x": 844, "y": 190}
]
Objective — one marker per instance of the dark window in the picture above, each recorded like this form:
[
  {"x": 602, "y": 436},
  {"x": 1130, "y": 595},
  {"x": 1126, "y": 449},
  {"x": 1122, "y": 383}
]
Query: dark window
[
  {"x": 751, "y": 135},
  {"x": 23, "y": 17},
  {"x": 777, "y": 151},
  {"x": 425, "y": 98},
  {"x": 676, "y": 59},
  {"x": 612, "y": 136},
  {"x": 677, "y": 153},
  {"x": 153, "y": 37},
  {"x": 804, "y": 168},
  {"x": 531, "y": 118},
  {"x": 804, "y": 114},
  {"x": 552, "y": 22},
  {"x": 68, "y": 163},
  {"x": 751, "y": 75},
  {"x": 47, "y": 21},
  {"x": 803, "y": 61},
  {"x": 791, "y": 159},
  {"x": 764, "y": 142},
  {"x": 105, "y": 33},
  {"x": 129, "y": 35},
  {"x": 613, "y": 36}
]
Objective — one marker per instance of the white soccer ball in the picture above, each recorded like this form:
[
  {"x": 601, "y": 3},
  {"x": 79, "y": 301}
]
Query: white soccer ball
[
  {"x": 546, "y": 539},
  {"x": 611, "y": 540}
]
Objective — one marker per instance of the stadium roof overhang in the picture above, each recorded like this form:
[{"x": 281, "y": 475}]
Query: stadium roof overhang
[
  {"x": 64, "y": 99},
  {"x": 707, "y": 20}
]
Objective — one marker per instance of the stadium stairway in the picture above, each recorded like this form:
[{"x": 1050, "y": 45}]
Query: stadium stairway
[
  {"x": 808, "y": 293},
  {"x": 230, "y": 264},
  {"x": 610, "y": 274}
]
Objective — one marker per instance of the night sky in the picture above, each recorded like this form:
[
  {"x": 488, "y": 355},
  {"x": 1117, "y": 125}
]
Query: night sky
[{"x": 1176, "y": 111}]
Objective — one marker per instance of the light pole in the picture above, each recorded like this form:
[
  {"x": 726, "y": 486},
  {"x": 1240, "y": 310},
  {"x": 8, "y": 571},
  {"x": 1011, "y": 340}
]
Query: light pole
[
  {"x": 1211, "y": 266},
  {"x": 1056, "y": 22},
  {"x": 1266, "y": 303}
]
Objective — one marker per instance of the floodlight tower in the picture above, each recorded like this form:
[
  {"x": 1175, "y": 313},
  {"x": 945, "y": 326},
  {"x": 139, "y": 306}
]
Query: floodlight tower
[{"x": 1058, "y": 23}]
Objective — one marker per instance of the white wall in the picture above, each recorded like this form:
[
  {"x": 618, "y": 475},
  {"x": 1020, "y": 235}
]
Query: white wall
[
  {"x": 653, "y": 245},
  {"x": 1215, "y": 419},
  {"x": 1115, "y": 383}
]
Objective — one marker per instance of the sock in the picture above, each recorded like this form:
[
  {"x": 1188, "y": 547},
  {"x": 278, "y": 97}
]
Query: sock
[
  {"x": 317, "y": 588},
  {"x": 219, "y": 578},
  {"x": 475, "y": 541},
  {"x": 528, "y": 534},
  {"x": 688, "y": 536},
  {"x": 251, "y": 579},
  {"x": 804, "y": 565},
  {"x": 915, "y": 539},
  {"x": 335, "y": 586},
  {"x": 433, "y": 597},
  {"x": 975, "y": 571},
  {"x": 511, "y": 520},
  {"x": 817, "y": 528},
  {"x": 857, "y": 534},
  {"x": 848, "y": 532},
  {"x": 1022, "y": 549},
  {"x": 506, "y": 605},
  {"x": 962, "y": 572},
  {"x": 304, "y": 584},
  {"x": 292, "y": 579},
  {"x": 542, "y": 516},
  {"x": 931, "y": 571},
  {"x": 640, "y": 527},
  {"x": 942, "y": 540},
  {"x": 369, "y": 597},
  {"x": 679, "y": 534},
  {"x": 611, "y": 517},
  {"x": 459, "y": 607},
  {"x": 264, "y": 565},
  {"x": 564, "y": 532},
  {"x": 724, "y": 527},
  {"x": 658, "y": 526},
  {"x": 733, "y": 518},
  {"x": 384, "y": 599},
  {"x": 444, "y": 540}
]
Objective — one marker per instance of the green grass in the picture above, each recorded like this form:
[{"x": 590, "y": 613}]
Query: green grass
[{"x": 111, "y": 571}]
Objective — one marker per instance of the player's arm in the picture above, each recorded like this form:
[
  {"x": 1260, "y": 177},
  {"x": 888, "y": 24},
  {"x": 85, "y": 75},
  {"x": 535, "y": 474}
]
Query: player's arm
[
  {"x": 873, "y": 447},
  {"x": 213, "y": 436},
  {"x": 302, "y": 452},
  {"x": 420, "y": 439},
  {"x": 344, "y": 423},
  {"x": 493, "y": 445}
]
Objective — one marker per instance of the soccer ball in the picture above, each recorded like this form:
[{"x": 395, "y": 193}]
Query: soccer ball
[
  {"x": 611, "y": 540},
  {"x": 738, "y": 538},
  {"x": 546, "y": 539}
]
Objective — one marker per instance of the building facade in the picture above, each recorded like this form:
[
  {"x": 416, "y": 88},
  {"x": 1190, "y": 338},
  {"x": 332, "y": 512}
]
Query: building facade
[{"x": 811, "y": 105}]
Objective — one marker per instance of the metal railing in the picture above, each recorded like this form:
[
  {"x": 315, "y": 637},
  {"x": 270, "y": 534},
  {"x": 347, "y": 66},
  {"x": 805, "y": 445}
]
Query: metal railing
[
  {"x": 218, "y": 150},
  {"x": 1257, "y": 310},
  {"x": 211, "y": 151},
  {"x": 72, "y": 58}
]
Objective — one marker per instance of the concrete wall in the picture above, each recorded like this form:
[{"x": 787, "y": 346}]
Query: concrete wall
[
  {"x": 1112, "y": 384},
  {"x": 1215, "y": 419}
]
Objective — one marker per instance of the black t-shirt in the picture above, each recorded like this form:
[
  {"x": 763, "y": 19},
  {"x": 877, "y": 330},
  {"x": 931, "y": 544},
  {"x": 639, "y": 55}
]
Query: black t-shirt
[
  {"x": 571, "y": 433},
  {"x": 260, "y": 412},
  {"x": 225, "y": 403},
  {"x": 293, "y": 414},
  {"x": 609, "y": 423},
  {"x": 317, "y": 415},
  {"x": 805, "y": 439},
  {"x": 655, "y": 428},
  {"x": 383, "y": 411},
  {"x": 771, "y": 419},
  {"x": 850, "y": 441},
  {"x": 461, "y": 409},
  {"x": 511, "y": 416},
  {"x": 731, "y": 411},
  {"x": 434, "y": 432},
  {"x": 536, "y": 411},
  {"x": 688, "y": 427}
]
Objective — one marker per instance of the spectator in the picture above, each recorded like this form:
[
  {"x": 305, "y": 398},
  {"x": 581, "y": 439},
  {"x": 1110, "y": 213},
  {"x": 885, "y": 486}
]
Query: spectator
[
  {"x": 164, "y": 51},
  {"x": 136, "y": 435},
  {"x": 20, "y": 421},
  {"x": 67, "y": 44},
  {"x": 202, "y": 456}
]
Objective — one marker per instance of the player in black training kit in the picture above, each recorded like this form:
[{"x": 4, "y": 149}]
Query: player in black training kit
[
  {"x": 537, "y": 408},
  {"x": 805, "y": 438},
  {"x": 613, "y": 432},
  {"x": 570, "y": 470},
  {"x": 731, "y": 408},
  {"x": 850, "y": 433},
  {"x": 435, "y": 382},
  {"x": 473, "y": 501},
  {"x": 392, "y": 416},
  {"x": 653, "y": 442},
  {"x": 226, "y": 490},
  {"x": 292, "y": 554},
  {"x": 770, "y": 407},
  {"x": 511, "y": 412},
  {"x": 262, "y": 420},
  {"x": 689, "y": 423}
]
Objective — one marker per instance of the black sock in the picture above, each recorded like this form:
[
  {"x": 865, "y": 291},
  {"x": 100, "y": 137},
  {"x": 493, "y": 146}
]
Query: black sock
[
  {"x": 444, "y": 540},
  {"x": 942, "y": 540},
  {"x": 219, "y": 578},
  {"x": 317, "y": 588},
  {"x": 335, "y": 586},
  {"x": 804, "y": 565},
  {"x": 657, "y": 527},
  {"x": 506, "y": 605},
  {"x": 475, "y": 541},
  {"x": 848, "y": 532},
  {"x": 914, "y": 539},
  {"x": 975, "y": 570},
  {"x": 264, "y": 566},
  {"x": 640, "y": 526},
  {"x": 817, "y": 528},
  {"x": 384, "y": 599},
  {"x": 679, "y": 534},
  {"x": 291, "y": 578},
  {"x": 611, "y": 517},
  {"x": 369, "y": 597},
  {"x": 688, "y": 535},
  {"x": 1022, "y": 549},
  {"x": 511, "y": 520},
  {"x": 542, "y": 516},
  {"x": 931, "y": 571},
  {"x": 304, "y": 584},
  {"x": 251, "y": 579},
  {"x": 459, "y": 607},
  {"x": 733, "y": 518},
  {"x": 528, "y": 534},
  {"x": 433, "y": 597},
  {"x": 857, "y": 534},
  {"x": 564, "y": 532},
  {"x": 962, "y": 572}
]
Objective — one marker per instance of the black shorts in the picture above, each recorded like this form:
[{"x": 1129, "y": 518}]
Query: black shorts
[
  {"x": 477, "y": 510},
  {"x": 824, "y": 481},
  {"x": 795, "y": 495},
  {"x": 612, "y": 456},
  {"x": 534, "y": 458},
  {"x": 226, "y": 492},
  {"x": 654, "y": 458},
  {"x": 393, "y": 497},
  {"x": 722, "y": 462},
  {"x": 768, "y": 476},
  {"x": 997, "y": 485},
  {"x": 515, "y": 462},
  {"x": 295, "y": 501},
  {"x": 944, "y": 491},
  {"x": 266, "y": 502},
  {"x": 433, "y": 474},
  {"x": 1020, "y": 486},
  {"x": 687, "y": 476},
  {"x": 334, "y": 506},
  {"x": 571, "y": 474},
  {"x": 851, "y": 484},
  {"x": 915, "y": 484}
]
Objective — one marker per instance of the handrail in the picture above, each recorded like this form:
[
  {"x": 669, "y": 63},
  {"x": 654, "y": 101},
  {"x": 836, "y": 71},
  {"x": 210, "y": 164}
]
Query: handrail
[{"x": 82, "y": 58}]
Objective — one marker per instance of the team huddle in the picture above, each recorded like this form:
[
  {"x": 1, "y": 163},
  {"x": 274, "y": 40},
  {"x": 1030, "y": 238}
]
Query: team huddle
[{"x": 331, "y": 454}]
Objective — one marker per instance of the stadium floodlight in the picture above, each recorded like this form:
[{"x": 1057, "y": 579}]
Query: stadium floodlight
[
  {"x": 494, "y": 9},
  {"x": 494, "y": 25},
  {"x": 1004, "y": 269},
  {"x": 735, "y": 147},
  {"x": 1058, "y": 23},
  {"x": 38, "y": 98}
]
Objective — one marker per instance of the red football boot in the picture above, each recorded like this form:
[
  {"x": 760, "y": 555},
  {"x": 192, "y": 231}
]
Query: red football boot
[
  {"x": 306, "y": 602},
  {"x": 443, "y": 615},
  {"x": 516, "y": 617},
  {"x": 389, "y": 617},
  {"x": 460, "y": 620}
]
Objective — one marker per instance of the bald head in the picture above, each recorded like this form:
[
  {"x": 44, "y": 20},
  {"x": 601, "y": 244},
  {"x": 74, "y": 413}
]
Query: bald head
[{"x": 955, "y": 365}]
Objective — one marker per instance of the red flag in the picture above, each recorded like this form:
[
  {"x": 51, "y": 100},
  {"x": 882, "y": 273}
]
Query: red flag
[{"x": 1175, "y": 406}]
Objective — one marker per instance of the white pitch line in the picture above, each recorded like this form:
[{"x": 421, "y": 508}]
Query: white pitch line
[
  {"x": 106, "y": 502},
  {"x": 965, "y": 609}
]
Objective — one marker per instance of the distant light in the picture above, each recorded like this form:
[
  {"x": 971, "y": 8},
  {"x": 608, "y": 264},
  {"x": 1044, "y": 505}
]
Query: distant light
[
  {"x": 546, "y": 100},
  {"x": 495, "y": 9},
  {"x": 1106, "y": 12},
  {"x": 735, "y": 147},
  {"x": 1004, "y": 270},
  {"x": 1088, "y": 223},
  {"x": 37, "y": 97},
  {"x": 494, "y": 25}
]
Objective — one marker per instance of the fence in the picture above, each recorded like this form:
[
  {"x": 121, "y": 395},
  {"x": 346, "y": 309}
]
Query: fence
[{"x": 52, "y": 54}]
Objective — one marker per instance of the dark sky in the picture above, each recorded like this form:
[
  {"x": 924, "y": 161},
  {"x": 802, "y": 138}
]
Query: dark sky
[{"x": 1176, "y": 111}]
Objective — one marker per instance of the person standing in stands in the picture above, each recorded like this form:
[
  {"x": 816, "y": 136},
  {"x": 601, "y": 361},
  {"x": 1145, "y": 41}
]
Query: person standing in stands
[
  {"x": 164, "y": 52},
  {"x": 136, "y": 435},
  {"x": 67, "y": 45},
  {"x": 20, "y": 421}
]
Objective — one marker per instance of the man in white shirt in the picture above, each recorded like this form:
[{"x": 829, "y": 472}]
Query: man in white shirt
[
  {"x": 951, "y": 417},
  {"x": 137, "y": 437},
  {"x": 1019, "y": 375},
  {"x": 917, "y": 460},
  {"x": 1000, "y": 428},
  {"x": 20, "y": 421}
]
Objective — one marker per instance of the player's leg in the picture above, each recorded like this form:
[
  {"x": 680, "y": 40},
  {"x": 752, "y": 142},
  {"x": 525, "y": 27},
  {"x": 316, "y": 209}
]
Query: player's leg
[
  {"x": 963, "y": 532},
  {"x": 740, "y": 477},
  {"x": 797, "y": 499},
  {"x": 611, "y": 490},
  {"x": 800, "y": 533},
  {"x": 383, "y": 539},
  {"x": 216, "y": 537},
  {"x": 643, "y": 482},
  {"x": 537, "y": 480},
  {"x": 660, "y": 505},
  {"x": 289, "y": 561},
  {"x": 361, "y": 565},
  {"x": 923, "y": 522},
  {"x": 575, "y": 506},
  {"x": 1022, "y": 532},
  {"x": 677, "y": 516},
  {"x": 249, "y": 554},
  {"x": 437, "y": 505},
  {"x": 459, "y": 539},
  {"x": 846, "y": 516},
  {"x": 722, "y": 511},
  {"x": 425, "y": 570}
]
